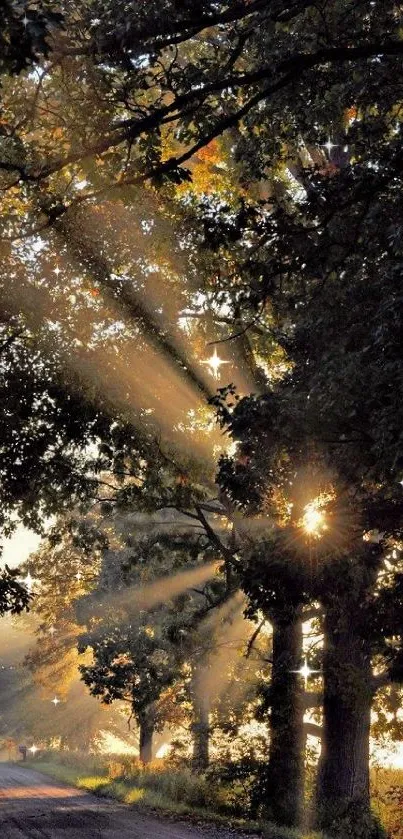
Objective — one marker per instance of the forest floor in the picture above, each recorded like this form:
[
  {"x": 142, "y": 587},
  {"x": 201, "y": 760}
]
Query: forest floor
[{"x": 34, "y": 806}]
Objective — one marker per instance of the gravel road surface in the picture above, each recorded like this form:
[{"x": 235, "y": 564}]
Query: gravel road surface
[{"x": 35, "y": 806}]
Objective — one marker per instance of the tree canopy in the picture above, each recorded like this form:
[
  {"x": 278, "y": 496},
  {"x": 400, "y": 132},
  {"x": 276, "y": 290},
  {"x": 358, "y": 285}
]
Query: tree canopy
[{"x": 176, "y": 177}]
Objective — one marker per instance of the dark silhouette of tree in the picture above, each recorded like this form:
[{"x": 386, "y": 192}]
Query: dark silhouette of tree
[{"x": 14, "y": 597}]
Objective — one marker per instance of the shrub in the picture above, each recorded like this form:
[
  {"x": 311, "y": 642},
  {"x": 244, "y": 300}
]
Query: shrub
[
  {"x": 387, "y": 796},
  {"x": 238, "y": 787},
  {"x": 179, "y": 786}
]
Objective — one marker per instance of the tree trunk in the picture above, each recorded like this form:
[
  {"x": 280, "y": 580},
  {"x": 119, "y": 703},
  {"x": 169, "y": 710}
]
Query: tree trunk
[
  {"x": 343, "y": 776},
  {"x": 200, "y": 728},
  {"x": 146, "y": 739},
  {"x": 285, "y": 777}
]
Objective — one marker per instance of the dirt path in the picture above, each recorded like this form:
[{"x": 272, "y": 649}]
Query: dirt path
[{"x": 35, "y": 806}]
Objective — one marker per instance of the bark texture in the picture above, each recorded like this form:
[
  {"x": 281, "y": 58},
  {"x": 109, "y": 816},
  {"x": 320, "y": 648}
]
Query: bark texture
[
  {"x": 343, "y": 777},
  {"x": 285, "y": 778},
  {"x": 146, "y": 739},
  {"x": 200, "y": 732}
]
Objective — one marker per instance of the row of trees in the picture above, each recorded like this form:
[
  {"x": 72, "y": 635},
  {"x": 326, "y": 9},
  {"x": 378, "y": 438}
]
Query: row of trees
[
  {"x": 173, "y": 649},
  {"x": 169, "y": 660},
  {"x": 267, "y": 137}
]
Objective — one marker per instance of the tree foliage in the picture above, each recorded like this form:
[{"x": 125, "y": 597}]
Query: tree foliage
[
  {"x": 14, "y": 597},
  {"x": 272, "y": 132}
]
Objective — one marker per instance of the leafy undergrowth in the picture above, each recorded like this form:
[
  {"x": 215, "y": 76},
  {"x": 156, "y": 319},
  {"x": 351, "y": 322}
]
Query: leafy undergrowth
[{"x": 387, "y": 796}]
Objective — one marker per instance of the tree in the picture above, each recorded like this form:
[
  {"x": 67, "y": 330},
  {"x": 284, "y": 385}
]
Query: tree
[
  {"x": 293, "y": 91},
  {"x": 275, "y": 578},
  {"x": 151, "y": 646},
  {"x": 159, "y": 84},
  {"x": 331, "y": 412}
]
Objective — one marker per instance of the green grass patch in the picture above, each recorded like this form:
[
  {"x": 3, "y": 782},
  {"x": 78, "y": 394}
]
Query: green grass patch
[{"x": 50, "y": 767}]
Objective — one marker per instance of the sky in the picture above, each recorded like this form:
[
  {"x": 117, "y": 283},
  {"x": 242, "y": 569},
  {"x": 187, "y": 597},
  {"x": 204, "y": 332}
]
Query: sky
[
  {"x": 15, "y": 550},
  {"x": 18, "y": 548}
]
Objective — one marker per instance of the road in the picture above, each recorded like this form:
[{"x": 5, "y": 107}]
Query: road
[{"x": 35, "y": 806}]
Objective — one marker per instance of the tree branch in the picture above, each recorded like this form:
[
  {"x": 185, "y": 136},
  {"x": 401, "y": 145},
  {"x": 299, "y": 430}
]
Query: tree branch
[
  {"x": 178, "y": 31},
  {"x": 313, "y": 729},
  {"x": 225, "y": 552},
  {"x": 253, "y": 638},
  {"x": 313, "y": 699}
]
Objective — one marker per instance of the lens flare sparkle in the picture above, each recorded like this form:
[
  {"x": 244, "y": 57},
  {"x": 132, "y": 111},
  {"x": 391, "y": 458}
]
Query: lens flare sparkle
[{"x": 214, "y": 363}]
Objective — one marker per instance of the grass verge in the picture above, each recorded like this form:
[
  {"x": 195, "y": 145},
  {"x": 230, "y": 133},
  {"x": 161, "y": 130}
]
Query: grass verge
[
  {"x": 177, "y": 794},
  {"x": 141, "y": 796},
  {"x": 155, "y": 802}
]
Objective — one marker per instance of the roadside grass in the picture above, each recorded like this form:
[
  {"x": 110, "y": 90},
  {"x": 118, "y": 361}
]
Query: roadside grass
[
  {"x": 155, "y": 801},
  {"x": 169, "y": 793},
  {"x": 179, "y": 794}
]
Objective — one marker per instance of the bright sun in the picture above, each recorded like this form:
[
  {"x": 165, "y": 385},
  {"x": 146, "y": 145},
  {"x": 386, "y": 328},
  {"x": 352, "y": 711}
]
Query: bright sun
[{"x": 313, "y": 519}]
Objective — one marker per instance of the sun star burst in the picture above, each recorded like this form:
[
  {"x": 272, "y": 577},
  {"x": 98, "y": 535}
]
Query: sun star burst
[
  {"x": 215, "y": 362},
  {"x": 306, "y": 672}
]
